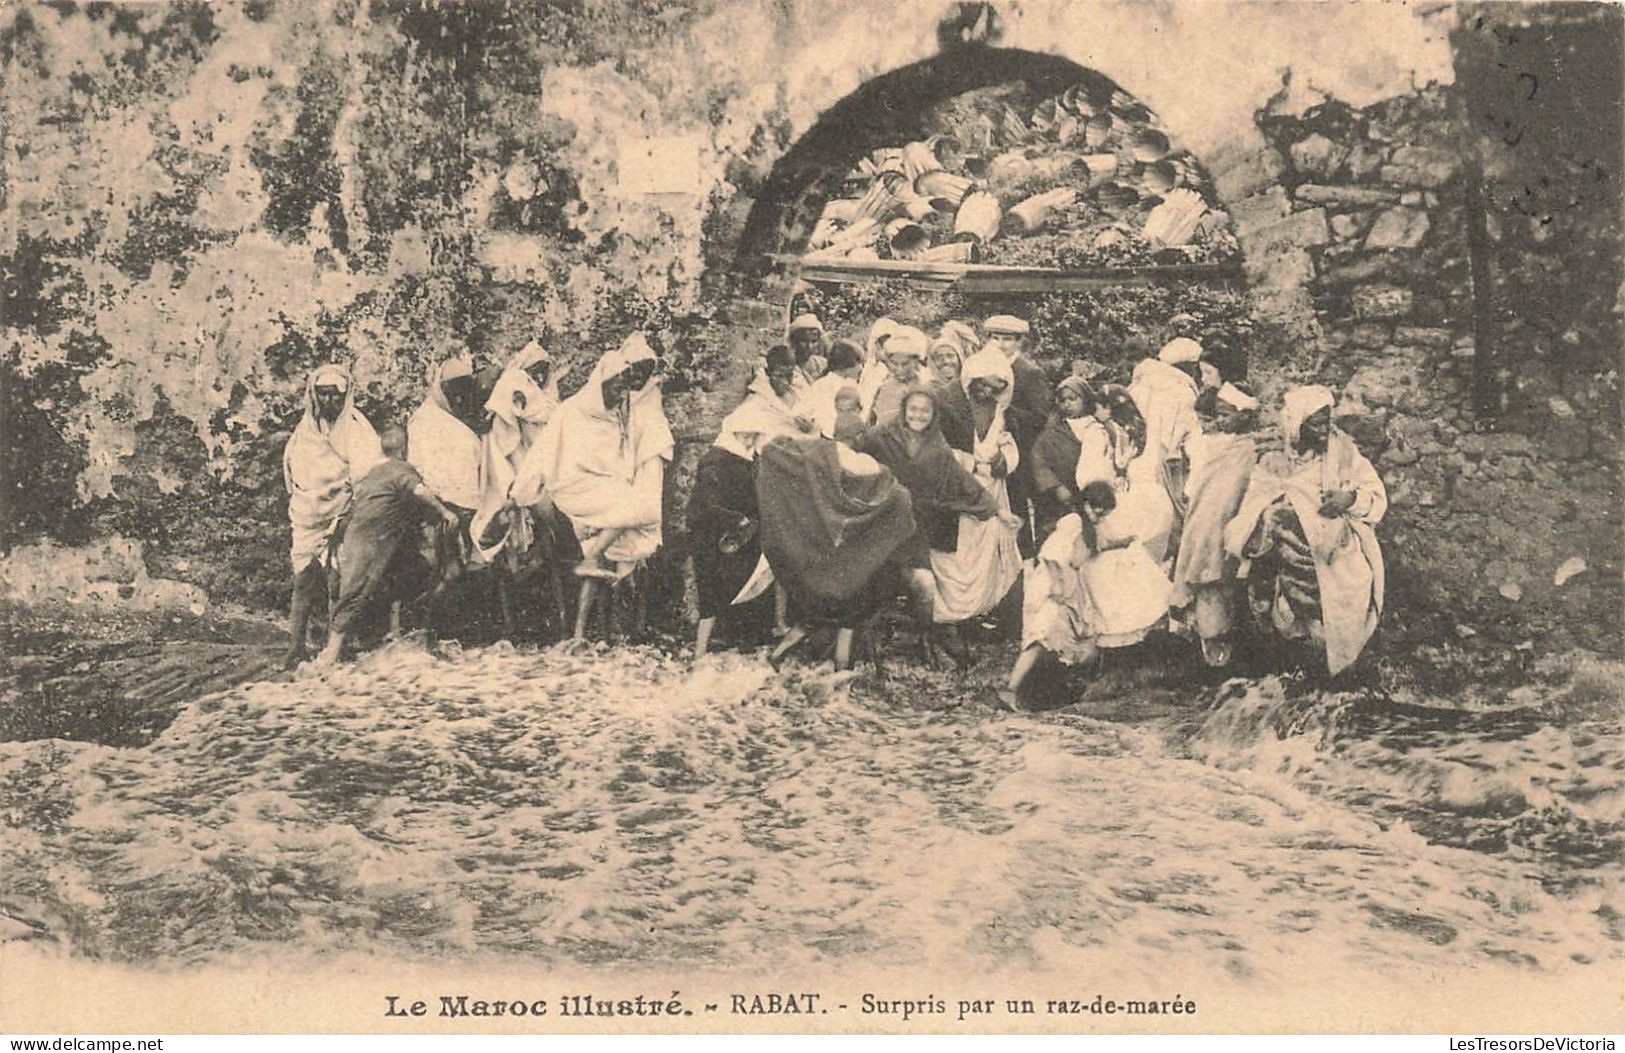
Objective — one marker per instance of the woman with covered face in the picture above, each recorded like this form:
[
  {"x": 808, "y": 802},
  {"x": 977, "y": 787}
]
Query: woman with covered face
[
  {"x": 1219, "y": 465},
  {"x": 1304, "y": 532},
  {"x": 943, "y": 491},
  {"x": 332, "y": 447},
  {"x": 523, "y": 400},
  {"x": 603, "y": 457},
  {"x": 722, "y": 505},
  {"x": 722, "y": 512},
  {"x": 442, "y": 442},
  {"x": 975, "y": 576}
]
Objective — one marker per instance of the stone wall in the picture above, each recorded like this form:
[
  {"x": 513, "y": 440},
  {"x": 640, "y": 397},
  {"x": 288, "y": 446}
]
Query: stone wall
[{"x": 1359, "y": 217}]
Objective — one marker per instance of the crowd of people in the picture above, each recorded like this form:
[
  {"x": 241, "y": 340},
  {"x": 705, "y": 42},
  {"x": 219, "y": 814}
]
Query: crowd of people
[{"x": 945, "y": 473}]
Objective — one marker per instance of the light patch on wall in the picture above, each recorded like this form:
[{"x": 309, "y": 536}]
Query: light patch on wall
[{"x": 660, "y": 165}]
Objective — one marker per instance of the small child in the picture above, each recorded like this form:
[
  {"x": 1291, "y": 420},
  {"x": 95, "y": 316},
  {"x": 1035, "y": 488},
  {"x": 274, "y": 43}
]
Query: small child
[
  {"x": 379, "y": 561},
  {"x": 848, "y": 415}
]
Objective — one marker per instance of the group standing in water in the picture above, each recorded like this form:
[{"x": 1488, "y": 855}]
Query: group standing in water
[{"x": 946, "y": 470}]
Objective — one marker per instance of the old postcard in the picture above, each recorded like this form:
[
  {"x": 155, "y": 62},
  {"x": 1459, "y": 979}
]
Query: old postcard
[{"x": 771, "y": 516}]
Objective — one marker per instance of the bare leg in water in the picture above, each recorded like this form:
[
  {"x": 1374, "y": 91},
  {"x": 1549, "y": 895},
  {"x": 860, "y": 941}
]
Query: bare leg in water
[
  {"x": 1028, "y": 660},
  {"x": 781, "y": 610},
  {"x": 330, "y": 653},
  {"x": 702, "y": 635},
  {"x": 843, "y": 648},
  {"x": 307, "y": 584},
  {"x": 589, "y": 592},
  {"x": 793, "y": 636}
]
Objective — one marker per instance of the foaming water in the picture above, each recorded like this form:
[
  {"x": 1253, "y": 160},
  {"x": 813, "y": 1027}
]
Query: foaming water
[{"x": 626, "y": 808}]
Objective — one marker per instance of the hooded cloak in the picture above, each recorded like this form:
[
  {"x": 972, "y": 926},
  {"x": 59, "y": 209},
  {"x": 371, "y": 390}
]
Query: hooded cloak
[
  {"x": 320, "y": 464},
  {"x": 604, "y": 465},
  {"x": 1348, "y": 565},
  {"x": 443, "y": 449}
]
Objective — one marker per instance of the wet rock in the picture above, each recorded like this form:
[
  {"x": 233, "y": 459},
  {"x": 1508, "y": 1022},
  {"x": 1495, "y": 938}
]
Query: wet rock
[
  {"x": 1570, "y": 568},
  {"x": 1318, "y": 156},
  {"x": 1371, "y": 335},
  {"x": 1366, "y": 425},
  {"x": 1398, "y": 228},
  {"x": 1345, "y": 196},
  {"x": 1376, "y": 387},
  {"x": 1365, "y": 162},
  {"x": 1361, "y": 269},
  {"x": 1283, "y": 270},
  {"x": 1399, "y": 457},
  {"x": 1421, "y": 166},
  {"x": 1382, "y": 301}
]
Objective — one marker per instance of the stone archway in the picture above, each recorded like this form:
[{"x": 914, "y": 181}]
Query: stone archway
[
  {"x": 1045, "y": 108},
  {"x": 883, "y": 111}
]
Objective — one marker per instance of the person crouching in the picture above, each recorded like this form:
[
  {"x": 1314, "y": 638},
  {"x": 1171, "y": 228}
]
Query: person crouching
[
  {"x": 379, "y": 559},
  {"x": 1092, "y": 586}
]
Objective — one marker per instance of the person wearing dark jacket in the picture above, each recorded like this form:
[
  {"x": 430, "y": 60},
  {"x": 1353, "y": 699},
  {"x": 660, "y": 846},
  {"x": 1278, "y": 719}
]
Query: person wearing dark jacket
[
  {"x": 1030, "y": 404},
  {"x": 1055, "y": 454}
]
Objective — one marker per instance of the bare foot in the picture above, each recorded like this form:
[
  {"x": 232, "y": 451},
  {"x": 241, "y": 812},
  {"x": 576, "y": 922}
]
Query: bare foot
[{"x": 1010, "y": 700}]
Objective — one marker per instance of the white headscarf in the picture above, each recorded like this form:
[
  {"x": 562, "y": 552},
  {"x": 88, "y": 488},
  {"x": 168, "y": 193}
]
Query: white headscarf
[
  {"x": 515, "y": 427},
  {"x": 442, "y": 447},
  {"x": 1179, "y": 350},
  {"x": 320, "y": 463},
  {"x": 991, "y": 364},
  {"x": 1299, "y": 405}
]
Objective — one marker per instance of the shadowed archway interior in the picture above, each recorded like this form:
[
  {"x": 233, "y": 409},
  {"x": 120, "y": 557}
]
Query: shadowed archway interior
[{"x": 888, "y": 109}]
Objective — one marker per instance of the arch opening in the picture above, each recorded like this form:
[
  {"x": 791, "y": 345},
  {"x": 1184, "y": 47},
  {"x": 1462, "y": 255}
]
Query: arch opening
[
  {"x": 989, "y": 155},
  {"x": 1092, "y": 220}
]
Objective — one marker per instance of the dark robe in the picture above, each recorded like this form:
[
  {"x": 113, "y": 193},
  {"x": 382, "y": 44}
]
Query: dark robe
[
  {"x": 379, "y": 561},
  {"x": 833, "y": 539},
  {"x": 722, "y": 504},
  {"x": 955, "y": 417},
  {"x": 1031, "y": 400},
  {"x": 1054, "y": 459},
  {"x": 941, "y": 489}
]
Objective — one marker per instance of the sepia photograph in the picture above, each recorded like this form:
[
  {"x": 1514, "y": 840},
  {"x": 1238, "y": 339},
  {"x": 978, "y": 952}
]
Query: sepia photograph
[{"x": 683, "y": 517}]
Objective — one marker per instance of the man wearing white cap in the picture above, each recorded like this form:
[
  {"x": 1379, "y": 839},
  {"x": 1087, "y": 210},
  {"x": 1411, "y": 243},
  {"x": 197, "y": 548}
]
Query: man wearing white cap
[
  {"x": 1031, "y": 401},
  {"x": 1165, "y": 389}
]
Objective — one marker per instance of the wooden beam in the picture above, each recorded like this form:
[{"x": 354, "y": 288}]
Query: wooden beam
[{"x": 1003, "y": 278}]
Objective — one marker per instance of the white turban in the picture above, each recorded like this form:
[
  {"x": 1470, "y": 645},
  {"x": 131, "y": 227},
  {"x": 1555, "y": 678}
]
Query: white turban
[
  {"x": 1300, "y": 404},
  {"x": 1180, "y": 350},
  {"x": 907, "y": 340}
]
